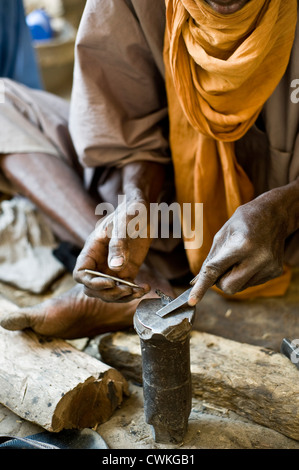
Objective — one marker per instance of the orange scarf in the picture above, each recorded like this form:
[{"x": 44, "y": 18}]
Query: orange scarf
[{"x": 220, "y": 70}]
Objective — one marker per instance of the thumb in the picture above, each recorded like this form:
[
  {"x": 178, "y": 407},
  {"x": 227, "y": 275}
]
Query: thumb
[{"x": 118, "y": 253}]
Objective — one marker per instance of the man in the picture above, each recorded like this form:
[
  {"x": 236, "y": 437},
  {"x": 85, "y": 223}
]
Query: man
[
  {"x": 228, "y": 67},
  {"x": 17, "y": 57}
]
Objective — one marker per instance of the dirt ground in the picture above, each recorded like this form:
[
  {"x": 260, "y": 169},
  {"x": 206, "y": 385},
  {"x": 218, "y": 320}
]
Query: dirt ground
[{"x": 210, "y": 427}]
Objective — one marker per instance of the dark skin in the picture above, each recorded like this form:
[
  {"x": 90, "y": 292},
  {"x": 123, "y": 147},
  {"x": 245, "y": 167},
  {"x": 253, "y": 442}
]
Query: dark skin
[
  {"x": 121, "y": 257},
  {"x": 248, "y": 250},
  {"x": 129, "y": 254}
]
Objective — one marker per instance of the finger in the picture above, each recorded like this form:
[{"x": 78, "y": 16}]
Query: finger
[
  {"x": 137, "y": 294},
  {"x": 211, "y": 271},
  {"x": 94, "y": 253},
  {"x": 117, "y": 253},
  {"x": 85, "y": 260},
  {"x": 142, "y": 289},
  {"x": 129, "y": 298},
  {"x": 251, "y": 272},
  {"x": 93, "y": 282}
]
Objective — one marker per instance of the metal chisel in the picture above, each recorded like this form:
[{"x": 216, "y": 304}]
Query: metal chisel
[{"x": 176, "y": 303}]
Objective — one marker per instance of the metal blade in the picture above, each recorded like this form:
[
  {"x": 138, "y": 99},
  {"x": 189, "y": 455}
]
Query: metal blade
[{"x": 176, "y": 303}]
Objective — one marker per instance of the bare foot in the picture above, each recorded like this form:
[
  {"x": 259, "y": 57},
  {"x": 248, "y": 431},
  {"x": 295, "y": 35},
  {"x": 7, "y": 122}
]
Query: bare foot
[{"x": 74, "y": 315}]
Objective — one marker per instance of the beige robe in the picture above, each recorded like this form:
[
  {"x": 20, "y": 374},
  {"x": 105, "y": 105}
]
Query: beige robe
[{"x": 118, "y": 110}]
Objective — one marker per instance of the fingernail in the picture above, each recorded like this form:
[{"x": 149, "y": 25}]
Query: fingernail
[
  {"x": 192, "y": 301},
  {"x": 116, "y": 262}
]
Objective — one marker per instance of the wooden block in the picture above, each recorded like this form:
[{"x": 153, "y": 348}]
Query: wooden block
[
  {"x": 256, "y": 383},
  {"x": 49, "y": 382}
]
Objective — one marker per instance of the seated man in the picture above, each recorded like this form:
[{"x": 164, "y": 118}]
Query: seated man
[{"x": 222, "y": 76}]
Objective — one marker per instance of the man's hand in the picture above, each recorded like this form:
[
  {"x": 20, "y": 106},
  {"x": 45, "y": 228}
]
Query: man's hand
[
  {"x": 122, "y": 254},
  {"x": 121, "y": 257},
  {"x": 249, "y": 249}
]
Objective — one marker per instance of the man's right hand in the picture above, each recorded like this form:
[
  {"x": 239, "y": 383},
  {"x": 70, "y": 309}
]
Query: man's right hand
[{"x": 106, "y": 252}]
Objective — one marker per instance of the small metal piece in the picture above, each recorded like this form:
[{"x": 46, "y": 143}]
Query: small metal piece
[
  {"x": 176, "y": 303},
  {"x": 167, "y": 385},
  {"x": 107, "y": 276},
  {"x": 290, "y": 349}
]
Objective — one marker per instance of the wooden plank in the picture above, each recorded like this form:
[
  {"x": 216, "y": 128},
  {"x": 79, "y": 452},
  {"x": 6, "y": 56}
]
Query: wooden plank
[
  {"x": 49, "y": 382},
  {"x": 259, "y": 384}
]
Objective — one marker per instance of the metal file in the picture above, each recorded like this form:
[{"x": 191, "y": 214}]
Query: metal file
[{"x": 176, "y": 303}]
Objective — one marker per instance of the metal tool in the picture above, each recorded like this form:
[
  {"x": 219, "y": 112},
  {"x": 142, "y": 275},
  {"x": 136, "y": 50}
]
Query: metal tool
[
  {"x": 107, "y": 276},
  {"x": 176, "y": 303},
  {"x": 290, "y": 349},
  {"x": 166, "y": 374}
]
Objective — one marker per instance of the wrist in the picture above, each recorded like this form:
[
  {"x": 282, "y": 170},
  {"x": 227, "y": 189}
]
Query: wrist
[{"x": 135, "y": 194}]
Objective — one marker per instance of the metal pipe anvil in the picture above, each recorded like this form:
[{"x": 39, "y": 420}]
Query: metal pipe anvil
[{"x": 167, "y": 386}]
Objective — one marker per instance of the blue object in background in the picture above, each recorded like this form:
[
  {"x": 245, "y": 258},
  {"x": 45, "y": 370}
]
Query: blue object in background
[
  {"x": 17, "y": 55},
  {"x": 39, "y": 24}
]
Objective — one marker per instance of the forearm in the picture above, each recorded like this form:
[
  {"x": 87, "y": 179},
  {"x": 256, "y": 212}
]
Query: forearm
[
  {"x": 143, "y": 180},
  {"x": 56, "y": 189},
  {"x": 124, "y": 251}
]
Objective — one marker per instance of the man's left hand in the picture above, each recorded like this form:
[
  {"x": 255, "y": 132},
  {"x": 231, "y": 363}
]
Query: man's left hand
[{"x": 249, "y": 249}]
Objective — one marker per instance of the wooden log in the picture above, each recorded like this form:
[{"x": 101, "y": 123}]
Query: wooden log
[
  {"x": 256, "y": 383},
  {"x": 50, "y": 383}
]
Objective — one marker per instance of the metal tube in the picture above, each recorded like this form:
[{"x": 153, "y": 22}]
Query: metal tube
[{"x": 167, "y": 387}]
